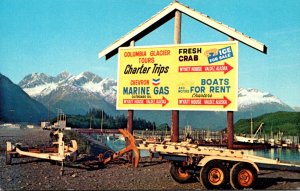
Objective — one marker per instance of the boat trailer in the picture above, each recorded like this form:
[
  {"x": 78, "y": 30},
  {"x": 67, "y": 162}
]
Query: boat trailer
[
  {"x": 60, "y": 151},
  {"x": 68, "y": 153},
  {"x": 215, "y": 167}
]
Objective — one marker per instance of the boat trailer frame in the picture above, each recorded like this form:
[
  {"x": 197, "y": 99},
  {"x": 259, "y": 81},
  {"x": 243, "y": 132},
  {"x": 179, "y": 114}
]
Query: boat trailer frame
[
  {"x": 217, "y": 167},
  {"x": 58, "y": 152}
]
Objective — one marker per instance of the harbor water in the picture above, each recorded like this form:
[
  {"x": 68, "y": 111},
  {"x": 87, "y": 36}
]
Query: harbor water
[
  {"x": 283, "y": 154},
  {"x": 115, "y": 143}
]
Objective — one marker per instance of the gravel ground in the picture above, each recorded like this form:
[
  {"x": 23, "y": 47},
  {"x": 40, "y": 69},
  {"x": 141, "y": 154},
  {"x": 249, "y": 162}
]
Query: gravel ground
[{"x": 36, "y": 174}]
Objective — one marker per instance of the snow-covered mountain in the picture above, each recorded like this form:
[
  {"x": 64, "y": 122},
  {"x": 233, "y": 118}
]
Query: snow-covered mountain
[
  {"x": 39, "y": 84},
  {"x": 249, "y": 98},
  {"x": 76, "y": 94},
  {"x": 250, "y": 101}
]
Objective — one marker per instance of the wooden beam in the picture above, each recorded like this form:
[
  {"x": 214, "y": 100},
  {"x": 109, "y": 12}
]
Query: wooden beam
[
  {"x": 230, "y": 128},
  {"x": 231, "y": 32},
  {"x": 175, "y": 113},
  {"x": 168, "y": 13},
  {"x": 130, "y": 112},
  {"x": 140, "y": 31}
]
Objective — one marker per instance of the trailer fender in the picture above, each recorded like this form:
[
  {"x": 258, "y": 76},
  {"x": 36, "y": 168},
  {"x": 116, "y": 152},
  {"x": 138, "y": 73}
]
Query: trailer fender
[{"x": 206, "y": 159}]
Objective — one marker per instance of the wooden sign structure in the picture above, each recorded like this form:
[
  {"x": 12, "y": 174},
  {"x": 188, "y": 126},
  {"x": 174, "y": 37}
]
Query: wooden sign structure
[
  {"x": 174, "y": 10},
  {"x": 179, "y": 77}
]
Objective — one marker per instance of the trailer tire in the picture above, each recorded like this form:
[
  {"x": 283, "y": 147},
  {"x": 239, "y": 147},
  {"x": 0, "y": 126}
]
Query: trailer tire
[
  {"x": 179, "y": 174},
  {"x": 242, "y": 175},
  {"x": 214, "y": 175},
  {"x": 8, "y": 159}
]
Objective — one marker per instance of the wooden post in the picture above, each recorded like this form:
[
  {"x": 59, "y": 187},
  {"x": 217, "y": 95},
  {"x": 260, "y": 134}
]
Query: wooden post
[
  {"x": 230, "y": 130},
  {"x": 130, "y": 121},
  {"x": 177, "y": 28},
  {"x": 130, "y": 112},
  {"x": 175, "y": 113}
]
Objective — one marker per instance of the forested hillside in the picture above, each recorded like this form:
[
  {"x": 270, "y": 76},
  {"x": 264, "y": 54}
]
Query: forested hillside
[
  {"x": 93, "y": 119},
  {"x": 286, "y": 122}
]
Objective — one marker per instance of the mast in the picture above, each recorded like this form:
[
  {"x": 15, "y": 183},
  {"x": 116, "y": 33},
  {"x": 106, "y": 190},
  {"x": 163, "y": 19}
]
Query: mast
[
  {"x": 49, "y": 111},
  {"x": 102, "y": 121},
  {"x": 91, "y": 122},
  {"x": 271, "y": 132},
  {"x": 251, "y": 132}
]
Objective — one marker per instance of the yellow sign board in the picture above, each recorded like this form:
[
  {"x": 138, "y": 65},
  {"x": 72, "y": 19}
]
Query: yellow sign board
[{"x": 179, "y": 77}]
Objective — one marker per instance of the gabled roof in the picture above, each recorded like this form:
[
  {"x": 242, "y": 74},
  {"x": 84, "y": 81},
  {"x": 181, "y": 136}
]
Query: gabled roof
[{"x": 168, "y": 13}]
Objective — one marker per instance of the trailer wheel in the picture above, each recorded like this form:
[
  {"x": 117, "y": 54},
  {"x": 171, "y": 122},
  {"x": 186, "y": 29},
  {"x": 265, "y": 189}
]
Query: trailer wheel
[
  {"x": 8, "y": 158},
  {"x": 242, "y": 175},
  {"x": 214, "y": 175},
  {"x": 179, "y": 174}
]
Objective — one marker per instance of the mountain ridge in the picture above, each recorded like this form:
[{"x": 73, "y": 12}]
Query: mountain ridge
[
  {"x": 17, "y": 106},
  {"x": 78, "y": 93},
  {"x": 40, "y": 84}
]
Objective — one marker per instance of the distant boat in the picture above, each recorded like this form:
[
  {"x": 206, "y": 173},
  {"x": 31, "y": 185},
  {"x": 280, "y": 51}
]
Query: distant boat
[
  {"x": 252, "y": 142},
  {"x": 245, "y": 139},
  {"x": 271, "y": 142},
  {"x": 287, "y": 143},
  {"x": 251, "y": 139}
]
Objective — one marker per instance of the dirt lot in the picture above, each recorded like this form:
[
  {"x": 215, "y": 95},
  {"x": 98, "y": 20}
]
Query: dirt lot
[{"x": 35, "y": 174}]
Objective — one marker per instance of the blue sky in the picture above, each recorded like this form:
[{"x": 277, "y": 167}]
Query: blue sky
[{"x": 52, "y": 36}]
